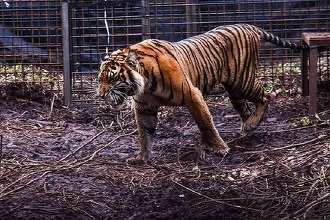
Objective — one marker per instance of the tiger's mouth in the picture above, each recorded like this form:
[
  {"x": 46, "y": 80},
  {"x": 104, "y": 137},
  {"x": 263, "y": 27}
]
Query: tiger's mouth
[
  {"x": 116, "y": 96},
  {"x": 118, "y": 101}
]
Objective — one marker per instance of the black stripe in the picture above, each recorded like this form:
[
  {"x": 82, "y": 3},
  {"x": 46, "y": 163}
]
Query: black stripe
[
  {"x": 250, "y": 56},
  {"x": 235, "y": 72},
  {"x": 183, "y": 99},
  {"x": 272, "y": 38},
  {"x": 139, "y": 102},
  {"x": 208, "y": 72},
  {"x": 198, "y": 63},
  {"x": 162, "y": 78},
  {"x": 239, "y": 43},
  {"x": 249, "y": 78},
  {"x": 148, "y": 112},
  {"x": 149, "y": 130},
  {"x": 145, "y": 73},
  {"x": 171, "y": 96},
  {"x": 153, "y": 86},
  {"x": 160, "y": 44},
  {"x": 148, "y": 47},
  {"x": 215, "y": 62},
  {"x": 245, "y": 72},
  {"x": 224, "y": 57},
  {"x": 223, "y": 35},
  {"x": 248, "y": 74},
  {"x": 187, "y": 57}
]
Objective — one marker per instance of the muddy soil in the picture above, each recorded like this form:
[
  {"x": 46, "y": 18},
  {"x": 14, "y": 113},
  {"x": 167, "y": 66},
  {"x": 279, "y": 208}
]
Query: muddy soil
[{"x": 70, "y": 162}]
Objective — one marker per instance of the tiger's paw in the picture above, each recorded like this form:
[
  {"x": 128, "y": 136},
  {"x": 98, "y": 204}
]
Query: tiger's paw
[
  {"x": 142, "y": 158},
  {"x": 138, "y": 160},
  {"x": 223, "y": 150},
  {"x": 250, "y": 124}
]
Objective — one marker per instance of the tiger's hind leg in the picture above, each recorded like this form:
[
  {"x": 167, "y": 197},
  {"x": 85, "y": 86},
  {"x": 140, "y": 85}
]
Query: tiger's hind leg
[
  {"x": 241, "y": 106},
  {"x": 260, "y": 99}
]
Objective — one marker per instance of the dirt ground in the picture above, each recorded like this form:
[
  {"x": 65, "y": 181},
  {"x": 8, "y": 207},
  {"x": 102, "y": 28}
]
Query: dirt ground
[{"x": 70, "y": 163}]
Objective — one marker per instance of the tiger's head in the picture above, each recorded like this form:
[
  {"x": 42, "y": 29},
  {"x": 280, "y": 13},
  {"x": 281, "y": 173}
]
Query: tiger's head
[{"x": 119, "y": 76}]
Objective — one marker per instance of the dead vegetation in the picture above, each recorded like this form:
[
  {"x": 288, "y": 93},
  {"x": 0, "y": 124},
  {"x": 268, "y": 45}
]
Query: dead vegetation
[{"x": 70, "y": 163}]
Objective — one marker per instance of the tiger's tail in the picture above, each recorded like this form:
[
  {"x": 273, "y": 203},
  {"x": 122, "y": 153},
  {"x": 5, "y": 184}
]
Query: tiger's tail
[{"x": 269, "y": 37}]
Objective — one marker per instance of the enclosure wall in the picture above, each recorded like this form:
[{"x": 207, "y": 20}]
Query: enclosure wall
[{"x": 31, "y": 34}]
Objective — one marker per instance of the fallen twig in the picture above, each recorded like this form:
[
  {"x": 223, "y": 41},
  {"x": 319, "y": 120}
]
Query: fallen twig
[
  {"x": 285, "y": 147},
  {"x": 308, "y": 206},
  {"x": 263, "y": 131},
  {"x": 51, "y": 106},
  {"x": 83, "y": 145},
  {"x": 61, "y": 167},
  {"x": 4, "y": 194},
  {"x": 294, "y": 145},
  {"x": 90, "y": 157},
  {"x": 215, "y": 200},
  {"x": 0, "y": 148}
]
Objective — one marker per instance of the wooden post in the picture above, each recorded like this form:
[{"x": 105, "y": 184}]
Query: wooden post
[
  {"x": 313, "y": 40},
  {"x": 313, "y": 80}
]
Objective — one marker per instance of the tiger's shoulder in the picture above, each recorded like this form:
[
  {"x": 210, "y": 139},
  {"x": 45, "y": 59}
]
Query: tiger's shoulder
[{"x": 153, "y": 47}]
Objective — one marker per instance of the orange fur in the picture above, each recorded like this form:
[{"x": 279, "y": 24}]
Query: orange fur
[{"x": 158, "y": 73}]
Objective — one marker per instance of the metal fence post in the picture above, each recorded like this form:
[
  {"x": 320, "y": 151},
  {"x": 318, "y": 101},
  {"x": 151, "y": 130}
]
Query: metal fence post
[
  {"x": 145, "y": 19},
  {"x": 191, "y": 17},
  {"x": 66, "y": 53}
]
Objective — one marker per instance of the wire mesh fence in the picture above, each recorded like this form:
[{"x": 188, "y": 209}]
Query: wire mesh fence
[
  {"x": 97, "y": 29},
  {"x": 31, "y": 34},
  {"x": 31, "y": 43}
]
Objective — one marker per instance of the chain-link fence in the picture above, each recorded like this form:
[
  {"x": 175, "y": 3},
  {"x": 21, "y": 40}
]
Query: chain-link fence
[{"x": 32, "y": 31}]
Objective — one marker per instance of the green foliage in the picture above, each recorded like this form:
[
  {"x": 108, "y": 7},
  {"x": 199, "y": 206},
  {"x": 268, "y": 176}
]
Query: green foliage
[
  {"x": 311, "y": 121},
  {"x": 26, "y": 73}
]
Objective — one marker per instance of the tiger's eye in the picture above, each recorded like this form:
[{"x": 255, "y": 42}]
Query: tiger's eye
[{"x": 112, "y": 77}]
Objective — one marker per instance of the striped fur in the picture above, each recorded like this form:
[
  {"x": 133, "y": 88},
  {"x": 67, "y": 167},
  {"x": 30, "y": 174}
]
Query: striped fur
[{"x": 158, "y": 73}]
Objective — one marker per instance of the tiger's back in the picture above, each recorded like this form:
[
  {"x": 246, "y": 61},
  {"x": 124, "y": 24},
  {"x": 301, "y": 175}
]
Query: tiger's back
[
  {"x": 228, "y": 55},
  {"x": 223, "y": 55}
]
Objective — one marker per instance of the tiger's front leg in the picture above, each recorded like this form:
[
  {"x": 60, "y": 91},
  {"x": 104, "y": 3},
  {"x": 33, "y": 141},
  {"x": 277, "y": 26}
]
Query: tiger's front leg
[
  {"x": 146, "y": 121},
  {"x": 203, "y": 118}
]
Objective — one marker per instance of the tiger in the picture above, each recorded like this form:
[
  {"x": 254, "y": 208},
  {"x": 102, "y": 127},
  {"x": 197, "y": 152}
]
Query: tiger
[{"x": 159, "y": 73}]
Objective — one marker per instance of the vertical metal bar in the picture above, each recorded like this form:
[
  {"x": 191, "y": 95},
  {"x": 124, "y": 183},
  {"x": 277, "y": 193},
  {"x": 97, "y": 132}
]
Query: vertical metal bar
[
  {"x": 191, "y": 27},
  {"x": 145, "y": 19},
  {"x": 304, "y": 72},
  {"x": 66, "y": 52},
  {"x": 312, "y": 80}
]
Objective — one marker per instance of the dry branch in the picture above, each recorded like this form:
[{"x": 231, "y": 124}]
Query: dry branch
[
  {"x": 90, "y": 157},
  {"x": 53, "y": 168},
  {"x": 0, "y": 149},
  {"x": 86, "y": 143},
  {"x": 51, "y": 106},
  {"x": 308, "y": 206},
  {"x": 216, "y": 200},
  {"x": 3, "y": 193}
]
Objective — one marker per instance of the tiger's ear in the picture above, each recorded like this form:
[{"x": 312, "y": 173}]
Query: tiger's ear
[
  {"x": 106, "y": 56},
  {"x": 132, "y": 58},
  {"x": 115, "y": 53}
]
